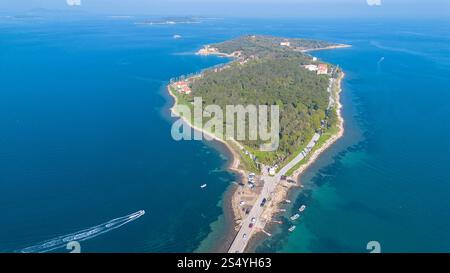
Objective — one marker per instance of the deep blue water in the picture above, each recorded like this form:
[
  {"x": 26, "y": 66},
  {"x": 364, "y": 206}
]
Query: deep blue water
[{"x": 86, "y": 137}]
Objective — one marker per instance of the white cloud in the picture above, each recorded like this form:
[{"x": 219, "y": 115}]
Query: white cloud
[
  {"x": 73, "y": 2},
  {"x": 374, "y": 2}
]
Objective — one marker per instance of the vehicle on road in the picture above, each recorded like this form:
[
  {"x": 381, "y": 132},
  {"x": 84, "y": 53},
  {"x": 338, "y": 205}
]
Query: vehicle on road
[{"x": 263, "y": 202}]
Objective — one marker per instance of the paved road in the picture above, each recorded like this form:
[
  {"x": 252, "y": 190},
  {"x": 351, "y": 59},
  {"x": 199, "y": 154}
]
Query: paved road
[
  {"x": 301, "y": 155},
  {"x": 270, "y": 182},
  {"x": 239, "y": 242}
]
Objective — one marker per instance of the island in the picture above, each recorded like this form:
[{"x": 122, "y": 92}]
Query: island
[
  {"x": 266, "y": 70},
  {"x": 170, "y": 21}
]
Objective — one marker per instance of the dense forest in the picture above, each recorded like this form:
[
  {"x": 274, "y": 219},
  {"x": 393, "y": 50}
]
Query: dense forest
[
  {"x": 271, "y": 75},
  {"x": 262, "y": 45}
]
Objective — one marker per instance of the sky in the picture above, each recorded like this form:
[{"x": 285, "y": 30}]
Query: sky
[{"x": 244, "y": 8}]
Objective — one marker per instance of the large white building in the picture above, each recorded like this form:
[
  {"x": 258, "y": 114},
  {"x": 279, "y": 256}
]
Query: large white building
[
  {"x": 311, "y": 67},
  {"x": 321, "y": 69}
]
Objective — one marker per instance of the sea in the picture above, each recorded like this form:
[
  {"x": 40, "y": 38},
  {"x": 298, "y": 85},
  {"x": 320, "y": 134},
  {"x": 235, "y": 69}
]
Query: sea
[{"x": 86, "y": 137}]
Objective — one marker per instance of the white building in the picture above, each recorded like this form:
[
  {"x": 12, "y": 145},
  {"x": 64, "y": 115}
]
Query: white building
[{"x": 311, "y": 67}]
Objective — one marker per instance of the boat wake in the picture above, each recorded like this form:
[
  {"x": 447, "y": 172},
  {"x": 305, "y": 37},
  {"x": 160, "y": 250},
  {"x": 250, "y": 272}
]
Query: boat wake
[{"x": 83, "y": 235}]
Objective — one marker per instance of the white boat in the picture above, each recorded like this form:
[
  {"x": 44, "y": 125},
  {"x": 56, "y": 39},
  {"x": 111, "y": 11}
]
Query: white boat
[
  {"x": 203, "y": 186},
  {"x": 292, "y": 228},
  {"x": 302, "y": 208},
  {"x": 287, "y": 201},
  {"x": 176, "y": 36},
  {"x": 295, "y": 217}
]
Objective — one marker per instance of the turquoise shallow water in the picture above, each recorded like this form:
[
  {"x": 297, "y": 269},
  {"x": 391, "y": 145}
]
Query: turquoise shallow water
[
  {"x": 86, "y": 137},
  {"x": 387, "y": 180}
]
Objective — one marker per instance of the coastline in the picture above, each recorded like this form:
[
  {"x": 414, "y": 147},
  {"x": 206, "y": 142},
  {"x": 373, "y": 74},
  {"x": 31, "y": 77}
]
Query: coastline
[
  {"x": 231, "y": 208},
  {"x": 283, "y": 190},
  {"x": 297, "y": 173},
  {"x": 328, "y": 48},
  {"x": 228, "y": 206},
  {"x": 283, "y": 194},
  {"x": 234, "y": 166}
]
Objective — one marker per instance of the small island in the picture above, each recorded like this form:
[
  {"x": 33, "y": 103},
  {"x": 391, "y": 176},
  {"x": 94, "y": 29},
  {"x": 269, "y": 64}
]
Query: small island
[
  {"x": 170, "y": 21},
  {"x": 268, "y": 70}
]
